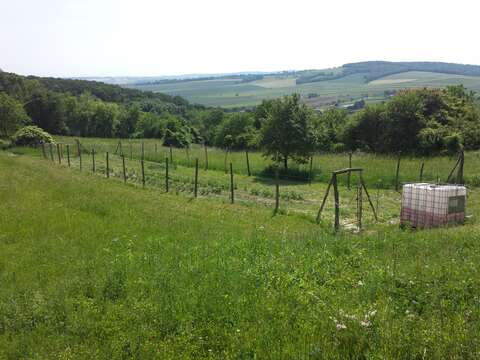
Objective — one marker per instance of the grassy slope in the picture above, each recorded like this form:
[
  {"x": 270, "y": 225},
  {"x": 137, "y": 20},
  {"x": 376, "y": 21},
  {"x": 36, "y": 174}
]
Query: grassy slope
[
  {"x": 91, "y": 268},
  {"x": 231, "y": 93}
]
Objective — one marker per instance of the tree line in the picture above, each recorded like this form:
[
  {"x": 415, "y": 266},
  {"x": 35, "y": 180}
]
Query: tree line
[{"x": 427, "y": 121}]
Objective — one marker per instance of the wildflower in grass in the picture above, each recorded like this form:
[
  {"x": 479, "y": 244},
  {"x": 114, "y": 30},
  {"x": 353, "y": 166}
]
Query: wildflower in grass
[
  {"x": 365, "y": 323},
  {"x": 341, "y": 327},
  {"x": 360, "y": 283}
]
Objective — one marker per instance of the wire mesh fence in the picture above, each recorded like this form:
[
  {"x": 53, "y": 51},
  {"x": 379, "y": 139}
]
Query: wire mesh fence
[{"x": 181, "y": 171}]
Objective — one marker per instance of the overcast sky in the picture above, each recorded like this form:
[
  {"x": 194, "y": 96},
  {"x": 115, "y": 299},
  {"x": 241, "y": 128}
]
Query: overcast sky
[{"x": 147, "y": 37}]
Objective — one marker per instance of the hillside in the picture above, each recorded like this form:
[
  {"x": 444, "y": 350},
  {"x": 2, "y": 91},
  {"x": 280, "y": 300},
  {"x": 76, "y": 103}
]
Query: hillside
[
  {"x": 319, "y": 88},
  {"x": 122, "y": 272},
  {"x": 23, "y": 87}
]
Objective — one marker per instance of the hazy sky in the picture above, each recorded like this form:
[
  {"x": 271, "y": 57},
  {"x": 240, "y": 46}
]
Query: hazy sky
[{"x": 147, "y": 37}]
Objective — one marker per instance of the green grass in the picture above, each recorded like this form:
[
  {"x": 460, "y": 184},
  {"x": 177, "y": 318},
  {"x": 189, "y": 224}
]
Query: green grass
[
  {"x": 379, "y": 170},
  {"x": 230, "y": 93},
  {"x": 93, "y": 268}
]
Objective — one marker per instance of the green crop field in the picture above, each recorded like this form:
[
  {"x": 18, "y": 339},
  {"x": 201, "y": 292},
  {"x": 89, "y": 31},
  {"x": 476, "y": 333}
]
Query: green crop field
[
  {"x": 94, "y": 268},
  {"x": 232, "y": 92}
]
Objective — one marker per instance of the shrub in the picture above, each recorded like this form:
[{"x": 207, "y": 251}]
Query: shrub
[{"x": 31, "y": 135}]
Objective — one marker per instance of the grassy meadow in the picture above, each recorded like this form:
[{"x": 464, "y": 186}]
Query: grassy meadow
[{"x": 93, "y": 268}]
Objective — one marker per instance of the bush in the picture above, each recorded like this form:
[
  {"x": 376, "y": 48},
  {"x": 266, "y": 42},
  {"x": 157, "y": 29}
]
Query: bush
[{"x": 30, "y": 136}]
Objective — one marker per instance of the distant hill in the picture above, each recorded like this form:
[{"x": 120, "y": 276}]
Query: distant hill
[
  {"x": 23, "y": 87},
  {"x": 370, "y": 81},
  {"x": 372, "y": 70}
]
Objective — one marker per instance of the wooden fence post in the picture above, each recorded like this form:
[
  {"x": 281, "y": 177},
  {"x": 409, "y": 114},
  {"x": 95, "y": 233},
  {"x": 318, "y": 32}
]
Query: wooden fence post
[
  {"x": 337, "y": 203},
  {"x": 421, "y": 171},
  {"x": 349, "y": 166},
  {"x": 131, "y": 151},
  {"x": 124, "y": 169},
  {"x": 359, "y": 205},
  {"x": 107, "y": 169},
  {"x": 68, "y": 154},
  {"x": 171, "y": 155},
  {"x": 196, "y": 177},
  {"x": 206, "y": 155},
  {"x": 324, "y": 199},
  {"x": 398, "y": 171},
  {"x": 143, "y": 150},
  {"x": 277, "y": 188},
  {"x": 93, "y": 160},
  {"x": 79, "y": 150},
  {"x": 232, "y": 195},
  {"x": 166, "y": 174},
  {"x": 58, "y": 154},
  {"x": 310, "y": 173},
  {"x": 460, "y": 168},
  {"x": 142, "y": 163},
  {"x": 51, "y": 152},
  {"x": 248, "y": 163},
  {"x": 43, "y": 150},
  {"x": 80, "y": 159}
]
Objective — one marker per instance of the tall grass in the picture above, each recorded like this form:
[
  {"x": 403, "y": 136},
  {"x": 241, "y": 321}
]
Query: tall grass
[
  {"x": 90, "y": 268},
  {"x": 379, "y": 170}
]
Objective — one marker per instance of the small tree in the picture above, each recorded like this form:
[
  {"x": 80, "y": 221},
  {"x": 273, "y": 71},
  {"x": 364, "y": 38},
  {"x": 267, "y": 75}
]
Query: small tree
[
  {"x": 12, "y": 115},
  {"x": 288, "y": 131}
]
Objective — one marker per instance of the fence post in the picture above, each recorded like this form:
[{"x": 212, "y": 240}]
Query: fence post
[
  {"x": 310, "y": 171},
  {"x": 155, "y": 148},
  {"x": 196, "y": 177},
  {"x": 349, "y": 166},
  {"x": 93, "y": 160},
  {"x": 277, "y": 189},
  {"x": 58, "y": 154},
  {"x": 43, "y": 150},
  {"x": 143, "y": 150},
  {"x": 460, "y": 168},
  {"x": 124, "y": 170},
  {"x": 398, "y": 171},
  {"x": 68, "y": 154},
  {"x": 79, "y": 151},
  {"x": 206, "y": 155},
  {"x": 421, "y": 171},
  {"x": 80, "y": 159},
  {"x": 337, "y": 203},
  {"x": 142, "y": 162},
  {"x": 248, "y": 163},
  {"x": 51, "y": 152},
  {"x": 107, "y": 170},
  {"x": 359, "y": 205},
  {"x": 131, "y": 151},
  {"x": 232, "y": 195},
  {"x": 166, "y": 174},
  {"x": 171, "y": 155}
]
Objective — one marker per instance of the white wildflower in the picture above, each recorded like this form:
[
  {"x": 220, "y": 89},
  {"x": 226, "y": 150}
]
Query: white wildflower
[
  {"x": 341, "y": 327},
  {"x": 365, "y": 323}
]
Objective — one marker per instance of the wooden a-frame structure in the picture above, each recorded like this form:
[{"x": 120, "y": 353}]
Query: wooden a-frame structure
[{"x": 333, "y": 182}]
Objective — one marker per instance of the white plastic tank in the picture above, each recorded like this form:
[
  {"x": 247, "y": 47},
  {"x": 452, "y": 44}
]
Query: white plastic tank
[{"x": 428, "y": 205}]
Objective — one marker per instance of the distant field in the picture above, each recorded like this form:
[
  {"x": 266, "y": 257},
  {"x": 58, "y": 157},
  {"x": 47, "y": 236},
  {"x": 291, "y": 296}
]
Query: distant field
[{"x": 233, "y": 92}]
